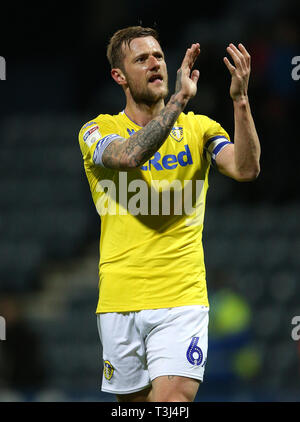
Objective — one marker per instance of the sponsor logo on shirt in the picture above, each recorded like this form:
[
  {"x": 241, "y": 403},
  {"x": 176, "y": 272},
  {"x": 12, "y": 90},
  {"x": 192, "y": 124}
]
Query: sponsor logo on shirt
[{"x": 169, "y": 161}]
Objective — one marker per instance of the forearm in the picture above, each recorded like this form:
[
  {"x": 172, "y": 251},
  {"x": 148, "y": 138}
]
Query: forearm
[
  {"x": 125, "y": 154},
  {"x": 246, "y": 141},
  {"x": 141, "y": 146}
]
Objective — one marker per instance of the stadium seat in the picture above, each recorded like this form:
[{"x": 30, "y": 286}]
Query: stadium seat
[
  {"x": 283, "y": 286},
  {"x": 20, "y": 262}
]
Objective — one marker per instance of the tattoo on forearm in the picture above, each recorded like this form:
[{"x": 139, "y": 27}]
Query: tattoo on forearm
[{"x": 141, "y": 146}]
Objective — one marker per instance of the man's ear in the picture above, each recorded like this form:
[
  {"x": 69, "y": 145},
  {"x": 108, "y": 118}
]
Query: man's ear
[{"x": 118, "y": 76}]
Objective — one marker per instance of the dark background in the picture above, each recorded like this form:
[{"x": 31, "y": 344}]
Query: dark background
[{"x": 57, "y": 78}]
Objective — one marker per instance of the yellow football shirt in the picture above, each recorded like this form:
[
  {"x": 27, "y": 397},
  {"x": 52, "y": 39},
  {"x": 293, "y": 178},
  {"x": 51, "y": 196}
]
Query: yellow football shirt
[{"x": 151, "y": 253}]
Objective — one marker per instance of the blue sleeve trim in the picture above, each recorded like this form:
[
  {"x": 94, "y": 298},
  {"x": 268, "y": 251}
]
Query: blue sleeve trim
[
  {"x": 216, "y": 151},
  {"x": 214, "y": 138},
  {"x": 218, "y": 148}
]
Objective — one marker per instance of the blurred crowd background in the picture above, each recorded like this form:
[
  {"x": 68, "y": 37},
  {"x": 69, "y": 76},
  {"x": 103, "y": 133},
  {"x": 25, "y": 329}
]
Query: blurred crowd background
[{"x": 57, "y": 79}]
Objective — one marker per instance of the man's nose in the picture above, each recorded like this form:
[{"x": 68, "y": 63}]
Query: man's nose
[{"x": 153, "y": 63}]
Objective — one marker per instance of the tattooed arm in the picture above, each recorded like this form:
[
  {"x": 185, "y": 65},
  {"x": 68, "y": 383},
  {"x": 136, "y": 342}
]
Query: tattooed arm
[{"x": 125, "y": 154}]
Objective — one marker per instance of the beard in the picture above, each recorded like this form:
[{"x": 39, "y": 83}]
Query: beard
[{"x": 147, "y": 94}]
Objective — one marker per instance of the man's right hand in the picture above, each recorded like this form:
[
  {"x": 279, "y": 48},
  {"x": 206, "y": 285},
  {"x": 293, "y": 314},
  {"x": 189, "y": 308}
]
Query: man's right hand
[
  {"x": 186, "y": 82},
  {"x": 130, "y": 153}
]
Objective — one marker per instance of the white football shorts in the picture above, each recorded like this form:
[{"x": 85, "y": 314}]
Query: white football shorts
[{"x": 141, "y": 346}]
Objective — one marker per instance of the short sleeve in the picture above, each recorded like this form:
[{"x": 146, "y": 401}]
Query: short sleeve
[{"x": 95, "y": 136}]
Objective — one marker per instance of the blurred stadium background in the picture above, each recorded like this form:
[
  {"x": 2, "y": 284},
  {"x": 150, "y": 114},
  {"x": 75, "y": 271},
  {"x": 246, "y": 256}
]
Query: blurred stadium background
[{"x": 58, "y": 78}]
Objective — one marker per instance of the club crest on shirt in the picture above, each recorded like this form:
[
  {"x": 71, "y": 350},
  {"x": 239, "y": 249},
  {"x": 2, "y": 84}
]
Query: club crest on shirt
[
  {"x": 177, "y": 133},
  {"x": 108, "y": 369}
]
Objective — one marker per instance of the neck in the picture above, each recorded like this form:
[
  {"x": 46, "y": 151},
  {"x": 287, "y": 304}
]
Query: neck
[{"x": 143, "y": 113}]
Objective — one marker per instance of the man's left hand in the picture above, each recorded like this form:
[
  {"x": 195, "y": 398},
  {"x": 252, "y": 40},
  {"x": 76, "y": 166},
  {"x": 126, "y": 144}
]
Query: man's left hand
[{"x": 240, "y": 72}]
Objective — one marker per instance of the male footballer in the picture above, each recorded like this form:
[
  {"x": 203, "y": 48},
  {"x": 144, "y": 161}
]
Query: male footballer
[{"x": 147, "y": 168}]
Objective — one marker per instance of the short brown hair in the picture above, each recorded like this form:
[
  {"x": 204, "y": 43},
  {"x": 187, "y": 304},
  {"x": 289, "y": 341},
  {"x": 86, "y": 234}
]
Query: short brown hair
[{"x": 115, "y": 52}]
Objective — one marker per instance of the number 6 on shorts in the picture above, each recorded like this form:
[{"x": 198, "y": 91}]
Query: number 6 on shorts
[{"x": 192, "y": 351}]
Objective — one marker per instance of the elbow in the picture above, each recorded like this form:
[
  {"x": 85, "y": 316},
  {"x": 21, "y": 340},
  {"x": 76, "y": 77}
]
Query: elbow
[
  {"x": 122, "y": 164},
  {"x": 249, "y": 175},
  {"x": 129, "y": 163},
  {"x": 132, "y": 162}
]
